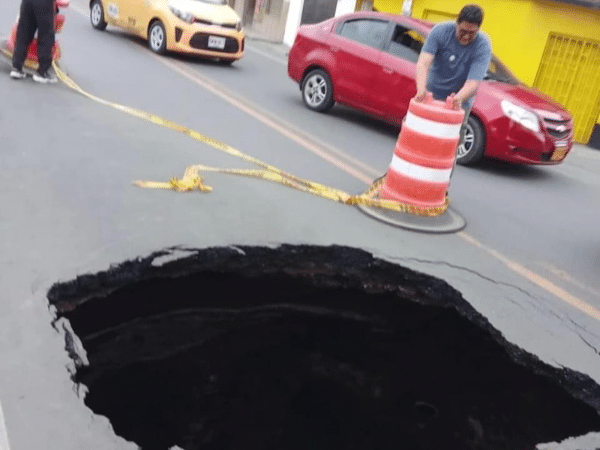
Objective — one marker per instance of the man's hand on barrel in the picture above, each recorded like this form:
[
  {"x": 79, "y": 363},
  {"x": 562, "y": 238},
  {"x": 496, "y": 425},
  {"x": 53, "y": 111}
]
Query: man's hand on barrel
[
  {"x": 455, "y": 101},
  {"x": 421, "y": 95}
]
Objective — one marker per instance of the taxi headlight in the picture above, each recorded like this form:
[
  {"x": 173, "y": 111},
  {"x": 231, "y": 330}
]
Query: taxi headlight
[
  {"x": 520, "y": 115},
  {"x": 183, "y": 15}
]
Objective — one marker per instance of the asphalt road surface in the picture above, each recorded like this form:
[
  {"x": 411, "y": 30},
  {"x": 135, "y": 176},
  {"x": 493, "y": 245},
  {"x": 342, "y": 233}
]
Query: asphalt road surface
[{"x": 528, "y": 259}]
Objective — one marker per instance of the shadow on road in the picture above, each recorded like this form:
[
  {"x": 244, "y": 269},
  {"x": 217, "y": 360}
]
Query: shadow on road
[
  {"x": 346, "y": 114},
  {"x": 515, "y": 171},
  {"x": 181, "y": 57},
  {"x": 363, "y": 120},
  {"x": 194, "y": 59}
]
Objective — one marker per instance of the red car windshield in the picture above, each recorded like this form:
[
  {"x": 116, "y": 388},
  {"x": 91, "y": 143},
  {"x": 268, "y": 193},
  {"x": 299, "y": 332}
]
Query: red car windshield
[{"x": 499, "y": 72}]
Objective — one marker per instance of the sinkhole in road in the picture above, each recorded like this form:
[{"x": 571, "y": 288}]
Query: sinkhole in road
[{"x": 305, "y": 347}]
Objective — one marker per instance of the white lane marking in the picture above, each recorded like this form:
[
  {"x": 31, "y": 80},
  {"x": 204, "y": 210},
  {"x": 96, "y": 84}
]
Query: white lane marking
[
  {"x": 267, "y": 55},
  {"x": 431, "y": 128},
  {"x": 420, "y": 173},
  {"x": 3, "y": 434}
]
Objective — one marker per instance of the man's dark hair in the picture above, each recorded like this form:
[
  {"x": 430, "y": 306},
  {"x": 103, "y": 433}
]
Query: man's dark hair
[{"x": 471, "y": 14}]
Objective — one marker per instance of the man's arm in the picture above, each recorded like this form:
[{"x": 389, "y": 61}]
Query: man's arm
[
  {"x": 468, "y": 90},
  {"x": 423, "y": 64}
]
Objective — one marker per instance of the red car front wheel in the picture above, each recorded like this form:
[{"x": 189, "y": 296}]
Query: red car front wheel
[
  {"x": 317, "y": 90},
  {"x": 471, "y": 150}
]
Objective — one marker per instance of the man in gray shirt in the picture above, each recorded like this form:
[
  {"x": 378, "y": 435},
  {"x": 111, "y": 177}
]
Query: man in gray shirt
[{"x": 454, "y": 59}]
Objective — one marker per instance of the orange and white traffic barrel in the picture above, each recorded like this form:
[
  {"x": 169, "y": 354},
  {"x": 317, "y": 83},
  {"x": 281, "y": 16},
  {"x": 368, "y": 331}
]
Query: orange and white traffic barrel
[{"x": 424, "y": 156}]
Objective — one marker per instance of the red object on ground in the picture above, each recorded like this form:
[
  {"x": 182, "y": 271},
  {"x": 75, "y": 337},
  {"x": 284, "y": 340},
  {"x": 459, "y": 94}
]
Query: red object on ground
[
  {"x": 420, "y": 170},
  {"x": 32, "y": 50}
]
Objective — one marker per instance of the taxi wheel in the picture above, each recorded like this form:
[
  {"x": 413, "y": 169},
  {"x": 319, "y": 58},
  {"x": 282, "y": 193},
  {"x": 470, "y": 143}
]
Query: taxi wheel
[
  {"x": 317, "y": 90},
  {"x": 226, "y": 62},
  {"x": 471, "y": 151},
  {"x": 157, "y": 38},
  {"x": 97, "y": 15}
]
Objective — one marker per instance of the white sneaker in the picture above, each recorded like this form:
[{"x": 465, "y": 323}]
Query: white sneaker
[
  {"x": 17, "y": 74},
  {"x": 44, "y": 78}
]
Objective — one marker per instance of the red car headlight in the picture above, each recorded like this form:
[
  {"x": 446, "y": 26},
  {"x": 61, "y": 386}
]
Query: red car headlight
[{"x": 522, "y": 116}]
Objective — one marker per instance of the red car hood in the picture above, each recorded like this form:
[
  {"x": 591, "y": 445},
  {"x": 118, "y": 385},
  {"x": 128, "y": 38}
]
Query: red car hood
[{"x": 528, "y": 97}]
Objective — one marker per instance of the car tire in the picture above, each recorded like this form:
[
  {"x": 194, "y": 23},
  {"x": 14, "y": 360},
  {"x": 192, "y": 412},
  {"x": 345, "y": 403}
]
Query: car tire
[
  {"x": 471, "y": 151},
  {"x": 317, "y": 90},
  {"x": 97, "y": 15},
  {"x": 157, "y": 37},
  {"x": 226, "y": 62}
]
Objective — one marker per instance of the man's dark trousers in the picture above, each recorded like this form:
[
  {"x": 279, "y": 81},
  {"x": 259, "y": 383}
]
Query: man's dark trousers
[{"x": 35, "y": 15}]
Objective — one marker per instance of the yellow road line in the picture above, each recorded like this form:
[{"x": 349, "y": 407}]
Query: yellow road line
[
  {"x": 324, "y": 151},
  {"x": 561, "y": 274},
  {"x": 535, "y": 278},
  {"x": 519, "y": 269},
  {"x": 192, "y": 181},
  {"x": 269, "y": 122}
]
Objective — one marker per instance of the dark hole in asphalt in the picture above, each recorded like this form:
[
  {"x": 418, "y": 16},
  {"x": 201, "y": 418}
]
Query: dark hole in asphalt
[{"x": 306, "y": 347}]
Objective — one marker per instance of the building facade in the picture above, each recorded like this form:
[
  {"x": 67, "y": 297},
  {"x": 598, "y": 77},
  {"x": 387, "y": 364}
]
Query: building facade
[{"x": 279, "y": 20}]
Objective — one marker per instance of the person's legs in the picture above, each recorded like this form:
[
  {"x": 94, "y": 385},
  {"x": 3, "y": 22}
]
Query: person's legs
[
  {"x": 25, "y": 32},
  {"x": 44, "y": 12}
]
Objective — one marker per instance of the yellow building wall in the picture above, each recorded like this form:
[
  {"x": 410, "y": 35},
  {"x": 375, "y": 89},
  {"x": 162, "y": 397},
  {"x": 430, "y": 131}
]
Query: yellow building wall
[
  {"x": 518, "y": 29},
  {"x": 389, "y": 6}
]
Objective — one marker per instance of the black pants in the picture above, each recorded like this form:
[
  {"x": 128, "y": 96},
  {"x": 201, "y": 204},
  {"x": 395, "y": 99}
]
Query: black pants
[{"x": 35, "y": 15}]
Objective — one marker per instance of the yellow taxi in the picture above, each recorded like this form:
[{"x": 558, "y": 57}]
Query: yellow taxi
[{"x": 209, "y": 28}]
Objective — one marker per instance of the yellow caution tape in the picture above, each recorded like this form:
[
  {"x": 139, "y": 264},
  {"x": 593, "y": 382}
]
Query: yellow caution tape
[
  {"x": 32, "y": 65},
  {"x": 192, "y": 181}
]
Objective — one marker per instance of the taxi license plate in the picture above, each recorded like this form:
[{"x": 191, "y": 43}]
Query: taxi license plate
[
  {"x": 558, "y": 154},
  {"x": 216, "y": 42}
]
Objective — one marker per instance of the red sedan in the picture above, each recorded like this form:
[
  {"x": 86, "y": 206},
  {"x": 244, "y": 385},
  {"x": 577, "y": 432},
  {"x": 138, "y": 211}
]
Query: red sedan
[{"x": 366, "y": 60}]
